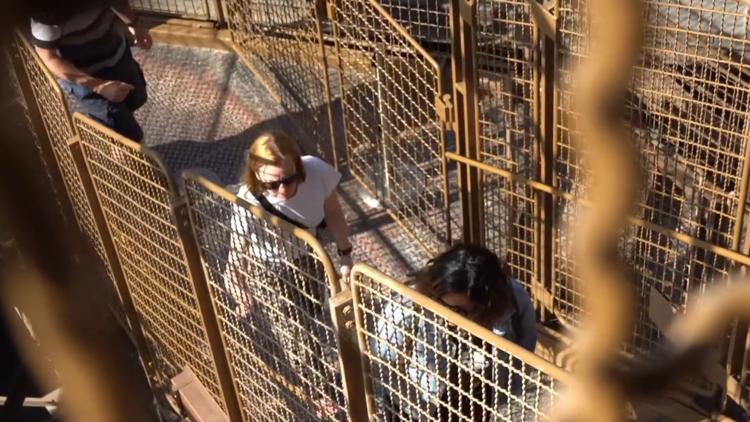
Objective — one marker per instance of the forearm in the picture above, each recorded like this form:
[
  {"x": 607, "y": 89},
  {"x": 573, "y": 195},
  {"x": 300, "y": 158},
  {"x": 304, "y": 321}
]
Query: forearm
[
  {"x": 336, "y": 222},
  {"x": 65, "y": 70},
  {"x": 123, "y": 9}
]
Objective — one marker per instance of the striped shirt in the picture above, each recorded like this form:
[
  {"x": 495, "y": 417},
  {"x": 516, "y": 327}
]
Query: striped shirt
[{"x": 91, "y": 40}]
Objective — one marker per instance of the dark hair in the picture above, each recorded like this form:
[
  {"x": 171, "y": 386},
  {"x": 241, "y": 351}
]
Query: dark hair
[{"x": 471, "y": 270}]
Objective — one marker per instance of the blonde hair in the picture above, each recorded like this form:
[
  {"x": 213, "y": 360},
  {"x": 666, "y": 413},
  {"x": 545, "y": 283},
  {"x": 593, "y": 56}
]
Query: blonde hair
[{"x": 271, "y": 148}]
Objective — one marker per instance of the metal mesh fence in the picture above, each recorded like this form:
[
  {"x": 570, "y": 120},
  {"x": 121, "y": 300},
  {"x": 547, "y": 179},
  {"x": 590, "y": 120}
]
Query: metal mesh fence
[
  {"x": 270, "y": 287},
  {"x": 138, "y": 199},
  {"x": 282, "y": 41},
  {"x": 394, "y": 135},
  {"x": 673, "y": 267},
  {"x": 509, "y": 226},
  {"x": 687, "y": 112},
  {"x": 424, "y": 362},
  {"x": 54, "y": 112},
  {"x": 426, "y": 20},
  {"x": 194, "y": 9},
  {"x": 507, "y": 130},
  {"x": 506, "y": 54},
  {"x": 687, "y": 109}
]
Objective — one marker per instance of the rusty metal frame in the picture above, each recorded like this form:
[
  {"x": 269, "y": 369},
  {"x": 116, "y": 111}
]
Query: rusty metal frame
[
  {"x": 204, "y": 195},
  {"x": 197, "y": 324},
  {"x": 366, "y": 28},
  {"x": 370, "y": 282}
]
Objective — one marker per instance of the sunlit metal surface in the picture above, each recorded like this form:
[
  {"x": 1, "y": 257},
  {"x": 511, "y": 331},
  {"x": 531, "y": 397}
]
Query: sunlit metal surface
[{"x": 138, "y": 198}]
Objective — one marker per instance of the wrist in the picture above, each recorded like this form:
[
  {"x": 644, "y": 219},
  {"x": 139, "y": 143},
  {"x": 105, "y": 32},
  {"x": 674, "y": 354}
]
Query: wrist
[{"x": 93, "y": 84}]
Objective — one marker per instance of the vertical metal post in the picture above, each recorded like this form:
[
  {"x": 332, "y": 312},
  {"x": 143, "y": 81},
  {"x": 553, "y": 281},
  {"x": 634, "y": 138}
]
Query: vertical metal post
[
  {"x": 205, "y": 304},
  {"x": 136, "y": 332},
  {"x": 342, "y": 311},
  {"x": 740, "y": 338},
  {"x": 465, "y": 81},
  {"x": 446, "y": 116},
  {"x": 545, "y": 64}
]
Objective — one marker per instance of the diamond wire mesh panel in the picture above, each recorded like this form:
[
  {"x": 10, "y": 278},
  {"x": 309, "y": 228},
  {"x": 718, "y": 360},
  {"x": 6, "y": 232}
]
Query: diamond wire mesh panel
[
  {"x": 423, "y": 362},
  {"x": 283, "y": 39},
  {"x": 426, "y": 20},
  {"x": 195, "y": 9},
  {"x": 393, "y": 133},
  {"x": 137, "y": 196},
  {"x": 687, "y": 111},
  {"x": 54, "y": 112},
  {"x": 270, "y": 289}
]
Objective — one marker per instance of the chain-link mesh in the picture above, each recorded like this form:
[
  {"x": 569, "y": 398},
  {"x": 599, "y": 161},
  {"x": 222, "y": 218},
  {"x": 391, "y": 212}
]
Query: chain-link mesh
[
  {"x": 54, "y": 112},
  {"x": 193, "y": 9},
  {"x": 270, "y": 289},
  {"x": 137, "y": 198},
  {"x": 283, "y": 39},
  {"x": 424, "y": 362},
  {"x": 393, "y": 132}
]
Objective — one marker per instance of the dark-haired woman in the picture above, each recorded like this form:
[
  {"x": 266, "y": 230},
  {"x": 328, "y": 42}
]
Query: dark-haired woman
[{"x": 470, "y": 281}]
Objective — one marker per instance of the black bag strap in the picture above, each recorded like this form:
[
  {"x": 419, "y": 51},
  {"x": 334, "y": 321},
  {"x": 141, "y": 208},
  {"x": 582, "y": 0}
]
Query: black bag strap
[{"x": 272, "y": 210}]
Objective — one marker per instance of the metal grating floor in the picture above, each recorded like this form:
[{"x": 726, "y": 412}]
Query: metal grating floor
[{"x": 214, "y": 108}]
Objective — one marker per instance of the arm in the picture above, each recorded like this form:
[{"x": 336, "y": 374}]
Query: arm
[
  {"x": 123, "y": 9},
  {"x": 63, "y": 69},
  {"x": 336, "y": 222},
  {"x": 237, "y": 264},
  {"x": 125, "y": 12},
  {"x": 114, "y": 91}
]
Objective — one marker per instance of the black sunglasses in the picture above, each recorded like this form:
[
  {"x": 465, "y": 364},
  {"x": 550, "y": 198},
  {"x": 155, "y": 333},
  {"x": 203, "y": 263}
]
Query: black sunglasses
[{"x": 287, "y": 181}]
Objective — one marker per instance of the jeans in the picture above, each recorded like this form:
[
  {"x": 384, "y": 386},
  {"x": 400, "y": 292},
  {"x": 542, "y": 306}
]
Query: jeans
[{"x": 118, "y": 116}]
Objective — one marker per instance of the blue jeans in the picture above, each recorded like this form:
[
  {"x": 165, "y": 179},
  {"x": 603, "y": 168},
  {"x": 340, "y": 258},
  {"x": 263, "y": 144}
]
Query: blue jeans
[{"x": 118, "y": 116}]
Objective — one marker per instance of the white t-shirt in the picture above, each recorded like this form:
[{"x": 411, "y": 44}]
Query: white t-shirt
[{"x": 307, "y": 205}]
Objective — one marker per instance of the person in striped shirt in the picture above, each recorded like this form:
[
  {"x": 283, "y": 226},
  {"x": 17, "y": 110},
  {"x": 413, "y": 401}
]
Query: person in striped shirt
[{"x": 86, "y": 45}]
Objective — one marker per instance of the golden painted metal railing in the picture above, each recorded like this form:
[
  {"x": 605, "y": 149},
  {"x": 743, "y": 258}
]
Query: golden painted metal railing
[
  {"x": 395, "y": 118},
  {"x": 277, "y": 298},
  {"x": 425, "y": 362},
  {"x": 520, "y": 175},
  {"x": 281, "y": 41},
  {"x": 147, "y": 221},
  {"x": 47, "y": 103}
]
